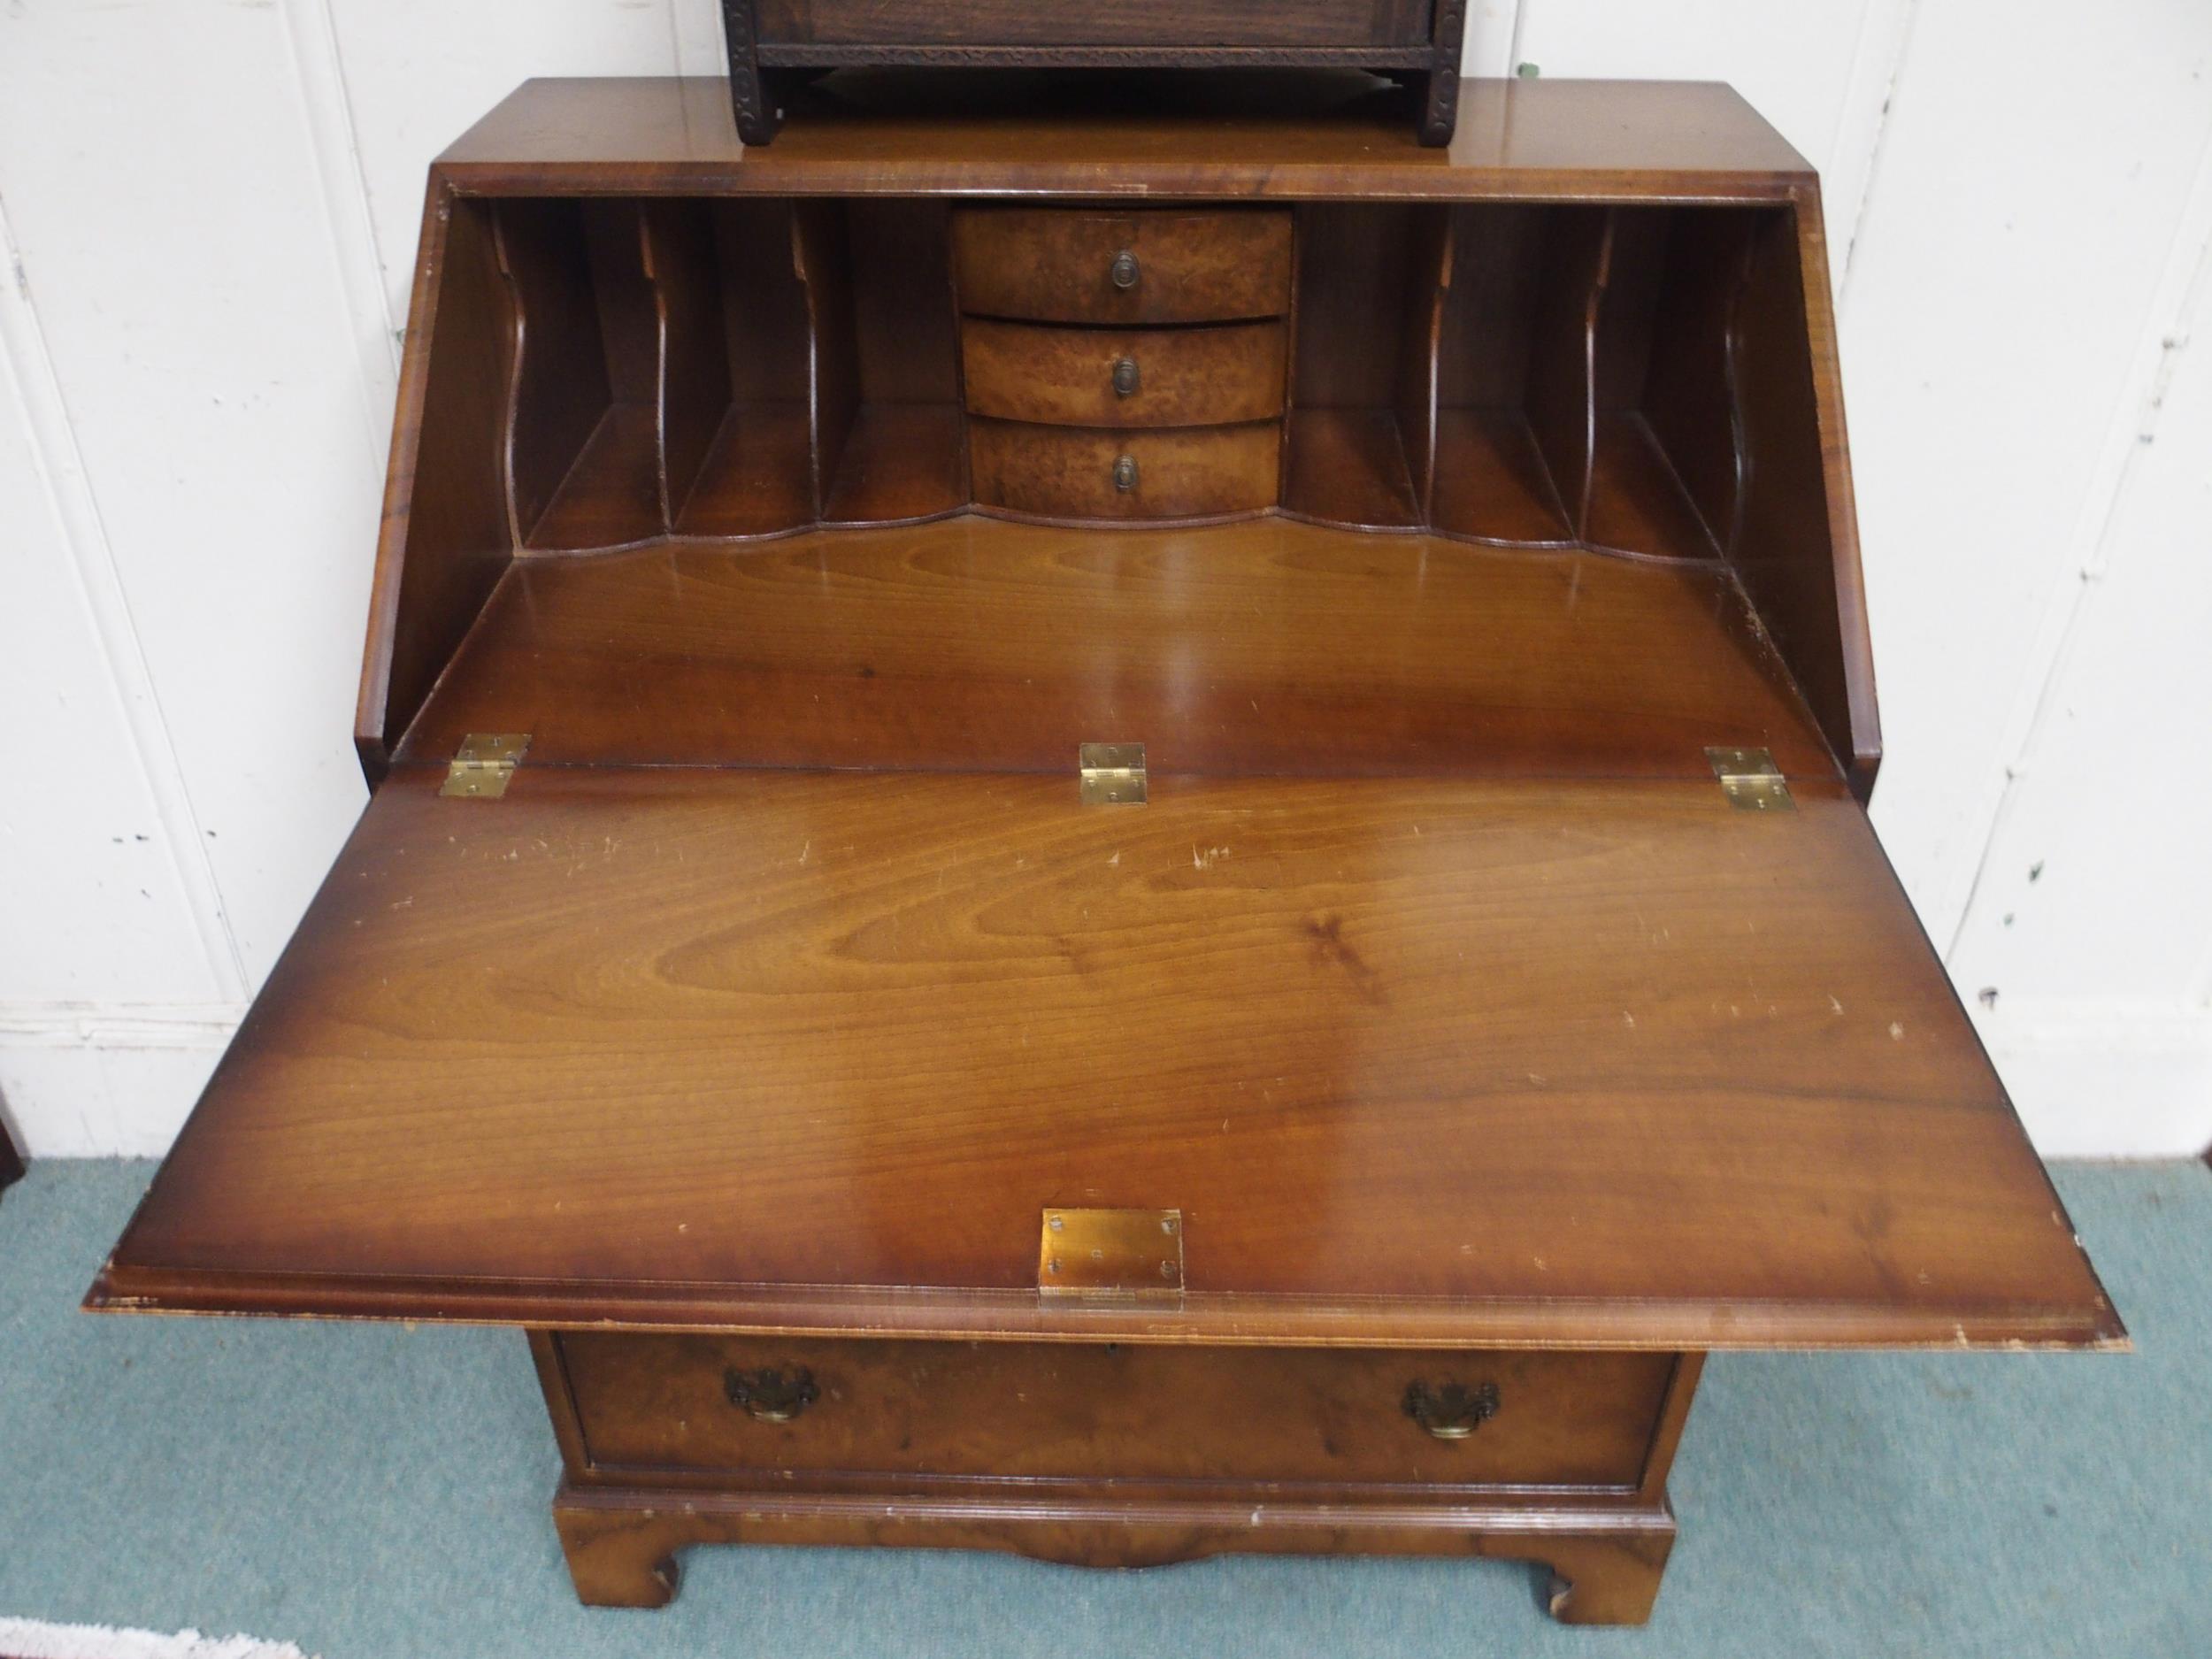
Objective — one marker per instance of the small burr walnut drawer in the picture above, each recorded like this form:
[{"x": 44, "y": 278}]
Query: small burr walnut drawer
[
  {"x": 1136, "y": 266},
  {"x": 1045, "y": 472},
  {"x": 1123, "y": 377},
  {"x": 706, "y": 1408}
]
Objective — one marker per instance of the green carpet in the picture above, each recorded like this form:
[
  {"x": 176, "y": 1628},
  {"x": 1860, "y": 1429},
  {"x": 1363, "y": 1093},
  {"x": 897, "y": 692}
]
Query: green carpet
[{"x": 371, "y": 1492}]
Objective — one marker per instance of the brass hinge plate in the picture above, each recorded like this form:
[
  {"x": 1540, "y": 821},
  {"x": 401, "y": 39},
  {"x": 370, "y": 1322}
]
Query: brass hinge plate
[
  {"x": 1113, "y": 774},
  {"x": 1111, "y": 1254},
  {"x": 1751, "y": 780},
  {"x": 484, "y": 764}
]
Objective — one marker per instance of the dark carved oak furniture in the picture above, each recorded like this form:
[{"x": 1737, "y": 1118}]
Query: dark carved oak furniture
[
  {"x": 777, "y": 47},
  {"x": 1120, "y": 840}
]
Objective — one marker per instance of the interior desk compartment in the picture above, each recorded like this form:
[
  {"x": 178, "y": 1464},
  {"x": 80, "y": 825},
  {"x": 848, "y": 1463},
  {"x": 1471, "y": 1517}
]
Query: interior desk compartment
[{"x": 706, "y": 368}]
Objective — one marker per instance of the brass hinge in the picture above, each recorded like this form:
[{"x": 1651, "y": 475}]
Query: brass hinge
[
  {"x": 1113, "y": 774},
  {"x": 1751, "y": 780},
  {"x": 484, "y": 764},
  {"x": 1111, "y": 1254}
]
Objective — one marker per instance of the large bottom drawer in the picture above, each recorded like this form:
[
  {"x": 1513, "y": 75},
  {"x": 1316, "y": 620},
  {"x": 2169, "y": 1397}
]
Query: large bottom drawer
[{"x": 708, "y": 1405}]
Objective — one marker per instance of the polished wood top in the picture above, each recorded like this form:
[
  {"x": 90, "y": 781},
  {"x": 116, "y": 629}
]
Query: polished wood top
[
  {"x": 1570, "y": 1063},
  {"x": 1267, "y": 646},
  {"x": 1001, "y": 134}
]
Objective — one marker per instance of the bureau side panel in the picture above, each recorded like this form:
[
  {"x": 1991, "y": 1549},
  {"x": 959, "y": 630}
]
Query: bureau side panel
[
  {"x": 1798, "y": 550},
  {"x": 447, "y": 534}
]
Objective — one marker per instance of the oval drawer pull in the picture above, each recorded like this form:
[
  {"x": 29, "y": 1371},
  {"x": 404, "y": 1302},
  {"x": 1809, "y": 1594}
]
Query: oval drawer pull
[
  {"x": 1124, "y": 271},
  {"x": 1451, "y": 1411},
  {"x": 1125, "y": 473},
  {"x": 770, "y": 1396},
  {"x": 1126, "y": 379}
]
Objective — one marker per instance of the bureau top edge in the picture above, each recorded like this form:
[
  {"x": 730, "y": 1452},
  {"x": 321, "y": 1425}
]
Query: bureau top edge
[
  {"x": 1580, "y": 140},
  {"x": 1040, "y": 183}
]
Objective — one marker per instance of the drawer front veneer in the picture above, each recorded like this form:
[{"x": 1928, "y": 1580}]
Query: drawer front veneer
[
  {"x": 1146, "y": 265},
  {"x": 1123, "y": 377},
  {"x": 1088, "y": 472},
  {"x": 707, "y": 1406}
]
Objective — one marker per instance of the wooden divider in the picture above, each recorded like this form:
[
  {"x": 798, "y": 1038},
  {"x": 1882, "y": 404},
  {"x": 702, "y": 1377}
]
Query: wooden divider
[{"x": 756, "y": 476}]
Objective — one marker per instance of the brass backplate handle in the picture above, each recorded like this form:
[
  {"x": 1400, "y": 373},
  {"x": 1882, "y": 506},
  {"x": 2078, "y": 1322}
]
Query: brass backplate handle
[
  {"x": 770, "y": 1395},
  {"x": 1450, "y": 1410},
  {"x": 1125, "y": 473},
  {"x": 1124, "y": 271},
  {"x": 1127, "y": 377}
]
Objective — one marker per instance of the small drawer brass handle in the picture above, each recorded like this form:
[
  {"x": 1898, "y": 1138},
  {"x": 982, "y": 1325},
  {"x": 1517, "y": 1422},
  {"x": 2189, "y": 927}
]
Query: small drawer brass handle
[
  {"x": 1123, "y": 271},
  {"x": 1125, "y": 378},
  {"x": 770, "y": 1396},
  {"x": 1451, "y": 1411},
  {"x": 1125, "y": 473}
]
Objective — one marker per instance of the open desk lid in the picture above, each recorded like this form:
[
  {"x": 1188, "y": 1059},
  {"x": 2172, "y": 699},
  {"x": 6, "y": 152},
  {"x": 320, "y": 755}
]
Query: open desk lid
[{"x": 1593, "y": 1062}]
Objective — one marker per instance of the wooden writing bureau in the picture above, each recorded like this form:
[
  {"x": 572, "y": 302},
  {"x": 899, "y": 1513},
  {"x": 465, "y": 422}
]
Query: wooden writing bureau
[{"x": 1122, "y": 838}]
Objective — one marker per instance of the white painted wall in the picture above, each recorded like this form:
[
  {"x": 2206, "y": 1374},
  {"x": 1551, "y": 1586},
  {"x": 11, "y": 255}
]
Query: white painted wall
[{"x": 208, "y": 214}]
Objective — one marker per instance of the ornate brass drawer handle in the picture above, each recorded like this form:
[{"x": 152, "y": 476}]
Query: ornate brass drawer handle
[
  {"x": 1125, "y": 473},
  {"x": 1451, "y": 1411},
  {"x": 1125, "y": 378},
  {"x": 769, "y": 1396},
  {"x": 1123, "y": 271}
]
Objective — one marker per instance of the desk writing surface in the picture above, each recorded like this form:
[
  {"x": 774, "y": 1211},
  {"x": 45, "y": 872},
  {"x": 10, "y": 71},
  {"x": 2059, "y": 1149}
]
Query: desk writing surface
[
  {"x": 1265, "y": 647},
  {"x": 1596, "y": 1060}
]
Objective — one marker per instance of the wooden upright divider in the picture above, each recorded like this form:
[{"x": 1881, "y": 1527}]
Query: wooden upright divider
[
  {"x": 694, "y": 397},
  {"x": 821, "y": 254},
  {"x": 756, "y": 478},
  {"x": 1512, "y": 373}
]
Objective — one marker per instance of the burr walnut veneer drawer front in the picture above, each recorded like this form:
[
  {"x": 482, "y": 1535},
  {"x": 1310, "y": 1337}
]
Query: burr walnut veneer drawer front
[
  {"x": 1123, "y": 377},
  {"x": 707, "y": 1406},
  {"x": 1093, "y": 472},
  {"x": 1143, "y": 265}
]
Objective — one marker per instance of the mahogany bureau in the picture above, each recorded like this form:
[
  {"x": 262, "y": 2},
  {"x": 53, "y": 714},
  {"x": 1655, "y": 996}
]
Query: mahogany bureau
[{"x": 1119, "y": 838}]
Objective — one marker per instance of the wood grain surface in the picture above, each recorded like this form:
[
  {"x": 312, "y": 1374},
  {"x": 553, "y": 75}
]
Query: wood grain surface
[
  {"x": 988, "y": 134},
  {"x": 1178, "y": 376},
  {"x": 1058, "y": 264},
  {"x": 446, "y": 535},
  {"x": 1346, "y": 467},
  {"x": 655, "y": 1408},
  {"x": 1421, "y": 1063},
  {"x": 1492, "y": 483},
  {"x": 1077, "y": 472},
  {"x": 1605, "y": 1564},
  {"x": 1234, "y": 1420},
  {"x": 1262, "y": 647},
  {"x": 899, "y": 463}
]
